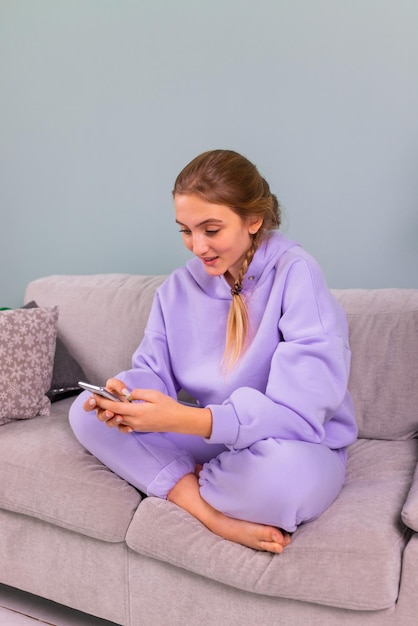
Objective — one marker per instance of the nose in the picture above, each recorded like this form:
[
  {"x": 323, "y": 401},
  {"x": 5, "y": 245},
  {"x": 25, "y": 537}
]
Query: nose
[{"x": 200, "y": 245}]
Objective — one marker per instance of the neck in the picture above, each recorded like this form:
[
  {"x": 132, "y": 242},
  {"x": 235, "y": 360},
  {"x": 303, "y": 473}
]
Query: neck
[{"x": 229, "y": 278}]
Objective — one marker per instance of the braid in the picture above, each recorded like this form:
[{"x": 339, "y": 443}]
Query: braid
[
  {"x": 229, "y": 179},
  {"x": 237, "y": 324},
  {"x": 244, "y": 268}
]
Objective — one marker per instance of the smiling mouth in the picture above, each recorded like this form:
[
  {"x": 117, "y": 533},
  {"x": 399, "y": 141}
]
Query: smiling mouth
[{"x": 209, "y": 259}]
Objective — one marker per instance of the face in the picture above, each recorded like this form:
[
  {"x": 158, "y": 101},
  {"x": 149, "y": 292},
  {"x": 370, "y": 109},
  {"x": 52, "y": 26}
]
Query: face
[{"x": 215, "y": 234}]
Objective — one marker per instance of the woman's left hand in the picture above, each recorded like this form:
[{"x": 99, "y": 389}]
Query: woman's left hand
[{"x": 156, "y": 412}]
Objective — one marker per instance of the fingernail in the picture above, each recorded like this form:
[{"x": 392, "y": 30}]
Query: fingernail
[
  {"x": 92, "y": 402},
  {"x": 118, "y": 419},
  {"x": 127, "y": 394}
]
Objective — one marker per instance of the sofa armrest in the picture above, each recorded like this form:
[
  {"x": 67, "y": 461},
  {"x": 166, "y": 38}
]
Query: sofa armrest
[{"x": 410, "y": 508}]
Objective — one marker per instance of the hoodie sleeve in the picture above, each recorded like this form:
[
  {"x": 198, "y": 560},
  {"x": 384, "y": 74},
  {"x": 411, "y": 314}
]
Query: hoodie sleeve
[
  {"x": 308, "y": 375},
  {"x": 151, "y": 366}
]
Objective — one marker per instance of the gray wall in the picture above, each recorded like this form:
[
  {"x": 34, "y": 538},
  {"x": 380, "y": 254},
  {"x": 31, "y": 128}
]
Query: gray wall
[{"x": 103, "y": 102}]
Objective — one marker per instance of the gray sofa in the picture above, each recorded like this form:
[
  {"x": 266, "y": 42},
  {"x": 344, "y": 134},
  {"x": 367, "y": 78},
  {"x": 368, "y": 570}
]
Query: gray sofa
[{"x": 73, "y": 532}]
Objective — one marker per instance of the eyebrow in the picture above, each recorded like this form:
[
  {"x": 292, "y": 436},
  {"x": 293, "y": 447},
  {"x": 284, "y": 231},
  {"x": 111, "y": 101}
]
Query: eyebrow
[{"x": 211, "y": 220}]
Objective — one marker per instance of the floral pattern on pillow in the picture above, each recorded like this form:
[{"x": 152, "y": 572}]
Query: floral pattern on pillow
[{"x": 27, "y": 349}]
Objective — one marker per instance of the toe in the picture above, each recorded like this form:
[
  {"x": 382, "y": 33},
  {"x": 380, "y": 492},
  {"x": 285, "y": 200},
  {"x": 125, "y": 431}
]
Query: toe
[{"x": 271, "y": 546}]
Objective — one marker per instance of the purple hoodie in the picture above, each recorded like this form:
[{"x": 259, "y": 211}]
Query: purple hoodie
[{"x": 290, "y": 383}]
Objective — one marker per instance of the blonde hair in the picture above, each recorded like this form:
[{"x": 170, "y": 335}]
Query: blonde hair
[{"x": 230, "y": 179}]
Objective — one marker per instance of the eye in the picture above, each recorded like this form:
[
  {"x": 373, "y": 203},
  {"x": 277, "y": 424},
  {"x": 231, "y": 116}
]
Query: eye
[
  {"x": 212, "y": 232},
  {"x": 185, "y": 231}
]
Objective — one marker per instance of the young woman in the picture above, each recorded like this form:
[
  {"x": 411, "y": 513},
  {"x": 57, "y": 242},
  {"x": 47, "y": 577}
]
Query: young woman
[{"x": 249, "y": 328}]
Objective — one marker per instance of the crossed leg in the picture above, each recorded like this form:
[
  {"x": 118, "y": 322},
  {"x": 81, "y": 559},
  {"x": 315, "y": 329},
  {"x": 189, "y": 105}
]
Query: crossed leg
[
  {"x": 244, "y": 496},
  {"x": 186, "y": 494}
]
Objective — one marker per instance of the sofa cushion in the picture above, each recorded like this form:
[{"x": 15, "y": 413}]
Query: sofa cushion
[
  {"x": 410, "y": 508},
  {"x": 102, "y": 317},
  {"x": 350, "y": 557},
  {"x": 47, "y": 474},
  {"x": 27, "y": 348},
  {"x": 383, "y": 326}
]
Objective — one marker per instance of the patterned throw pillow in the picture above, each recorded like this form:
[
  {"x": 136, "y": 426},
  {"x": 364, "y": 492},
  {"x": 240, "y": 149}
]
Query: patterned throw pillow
[
  {"x": 27, "y": 348},
  {"x": 66, "y": 372}
]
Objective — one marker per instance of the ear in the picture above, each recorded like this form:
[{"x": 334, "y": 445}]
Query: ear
[{"x": 254, "y": 225}]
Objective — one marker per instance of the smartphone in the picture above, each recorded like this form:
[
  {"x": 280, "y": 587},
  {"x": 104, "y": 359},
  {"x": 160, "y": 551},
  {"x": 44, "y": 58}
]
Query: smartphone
[{"x": 101, "y": 391}]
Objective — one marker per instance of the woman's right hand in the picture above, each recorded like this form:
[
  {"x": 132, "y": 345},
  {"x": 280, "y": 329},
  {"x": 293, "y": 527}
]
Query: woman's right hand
[{"x": 111, "y": 419}]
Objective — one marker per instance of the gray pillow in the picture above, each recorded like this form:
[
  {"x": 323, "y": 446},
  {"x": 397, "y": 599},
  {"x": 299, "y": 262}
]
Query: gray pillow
[{"x": 27, "y": 348}]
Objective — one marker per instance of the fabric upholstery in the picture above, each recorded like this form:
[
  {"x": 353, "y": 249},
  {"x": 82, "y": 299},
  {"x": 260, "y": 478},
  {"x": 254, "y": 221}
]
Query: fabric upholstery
[
  {"x": 66, "y": 371},
  {"x": 67, "y": 567},
  {"x": 355, "y": 565},
  {"x": 102, "y": 317},
  {"x": 168, "y": 594},
  {"x": 334, "y": 560},
  {"x": 45, "y": 473},
  {"x": 27, "y": 348},
  {"x": 410, "y": 508},
  {"x": 383, "y": 325}
]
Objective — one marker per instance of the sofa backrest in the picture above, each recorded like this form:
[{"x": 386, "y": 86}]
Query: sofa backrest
[
  {"x": 102, "y": 319},
  {"x": 383, "y": 325}
]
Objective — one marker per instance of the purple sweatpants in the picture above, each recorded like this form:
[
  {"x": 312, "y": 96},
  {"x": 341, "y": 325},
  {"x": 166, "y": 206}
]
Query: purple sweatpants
[{"x": 278, "y": 482}]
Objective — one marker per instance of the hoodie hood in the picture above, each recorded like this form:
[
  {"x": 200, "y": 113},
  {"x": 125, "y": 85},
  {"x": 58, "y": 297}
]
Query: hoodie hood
[{"x": 265, "y": 259}]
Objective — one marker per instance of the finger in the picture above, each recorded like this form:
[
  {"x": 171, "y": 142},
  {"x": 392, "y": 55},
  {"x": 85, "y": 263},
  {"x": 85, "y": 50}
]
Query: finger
[
  {"x": 95, "y": 402},
  {"x": 108, "y": 405},
  {"x": 113, "y": 420},
  {"x": 123, "y": 428},
  {"x": 146, "y": 395},
  {"x": 114, "y": 384},
  {"x": 117, "y": 386},
  {"x": 105, "y": 416},
  {"x": 89, "y": 404}
]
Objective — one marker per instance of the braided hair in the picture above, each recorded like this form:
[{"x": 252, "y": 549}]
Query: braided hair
[{"x": 230, "y": 179}]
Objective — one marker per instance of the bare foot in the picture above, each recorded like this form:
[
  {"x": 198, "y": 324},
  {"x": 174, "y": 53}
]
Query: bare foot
[
  {"x": 186, "y": 494},
  {"x": 250, "y": 534}
]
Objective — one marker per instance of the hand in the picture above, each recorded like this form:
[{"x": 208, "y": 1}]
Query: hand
[
  {"x": 149, "y": 411},
  {"x": 117, "y": 388}
]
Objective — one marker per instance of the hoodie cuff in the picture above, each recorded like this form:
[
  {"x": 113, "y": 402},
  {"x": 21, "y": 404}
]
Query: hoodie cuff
[{"x": 225, "y": 425}]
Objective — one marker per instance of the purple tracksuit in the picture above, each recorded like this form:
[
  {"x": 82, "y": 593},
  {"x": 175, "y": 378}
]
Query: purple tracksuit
[{"x": 282, "y": 418}]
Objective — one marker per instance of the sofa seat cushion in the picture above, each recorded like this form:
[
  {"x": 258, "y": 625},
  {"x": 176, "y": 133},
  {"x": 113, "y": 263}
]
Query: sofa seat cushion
[
  {"x": 47, "y": 474},
  {"x": 410, "y": 508},
  {"x": 350, "y": 557}
]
